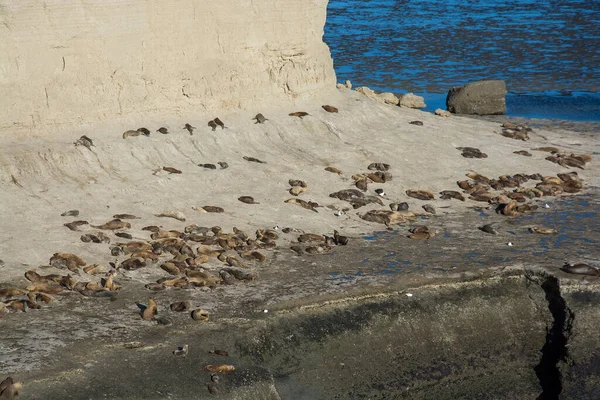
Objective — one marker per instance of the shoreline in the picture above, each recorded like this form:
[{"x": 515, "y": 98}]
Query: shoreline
[{"x": 286, "y": 283}]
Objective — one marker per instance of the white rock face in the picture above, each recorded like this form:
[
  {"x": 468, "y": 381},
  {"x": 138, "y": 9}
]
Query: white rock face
[
  {"x": 76, "y": 62},
  {"x": 412, "y": 101}
]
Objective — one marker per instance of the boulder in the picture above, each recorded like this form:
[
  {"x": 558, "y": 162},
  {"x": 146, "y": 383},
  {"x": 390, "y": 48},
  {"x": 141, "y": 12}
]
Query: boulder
[
  {"x": 366, "y": 91},
  {"x": 482, "y": 98},
  {"x": 412, "y": 101},
  {"x": 388, "y": 98},
  {"x": 443, "y": 113}
]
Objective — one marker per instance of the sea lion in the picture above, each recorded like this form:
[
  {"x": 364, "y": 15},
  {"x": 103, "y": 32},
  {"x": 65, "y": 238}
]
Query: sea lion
[
  {"x": 98, "y": 237},
  {"x": 163, "y": 130},
  {"x": 298, "y": 114},
  {"x": 213, "y": 125},
  {"x": 378, "y": 167},
  {"x": 451, "y": 194},
  {"x": 11, "y": 389},
  {"x": 362, "y": 184},
  {"x": 221, "y": 369},
  {"x": 70, "y": 213},
  {"x": 339, "y": 240},
  {"x": 334, "y": 170},
  {"x": 297, "y": 182},
  {"x": 330, "y": 109},
  {"x": 471, "y": 152},
  {"x": 178, "y": 215},
  {"x": 380, "y": 192},
  {"x": 429, "y": 208},
  {"x": 548, "y": 149},
  {"x": 151, "y": 228},
  {"x": 75, "y": 225},
  {"x": 84, "y": 141},
  {"x": 543, "y": 230},
  {"x": 208, "y": 166},
  {"x": 144, "y": 131},
  {"x": 124, "y": 235},
  {"x": 581, "y": 269},
  {"x": 297, "y": 190},
  {"x": 418, "y": 123},
  {"x": 66, "y": 260},
  {"x": 113, "y": 225},
  {"x": 131, "y": 264},
  {"x": 488, "y": 228},
  {"x": 347, "y": 194},
  {"x": 256, "y": 160},
  {"x": 420, "y": 194},
  {"x": 131, "y": 133},
  {"x": 189, "y": 128},
  {"x": 247, "y": 200},
  {"x": 522, "y": 153},
  {"x": 422, "y": 234},
  {"x": 200, "y": 315},
  {"x": 125, "y": 216},
  {"x": 213, "y": 209},
  {"x": 219, "y": 123},
  {"x": 171, "y": 170},
  {"x": 223, "y": 164},
  {"x": 260, "y": 119},
  {"x": 150, "y": 311},
  {"x": 304, "y": 204}
]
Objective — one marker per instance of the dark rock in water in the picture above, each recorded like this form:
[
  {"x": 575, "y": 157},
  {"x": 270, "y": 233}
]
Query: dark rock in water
[{"x": 482, "y": 98}]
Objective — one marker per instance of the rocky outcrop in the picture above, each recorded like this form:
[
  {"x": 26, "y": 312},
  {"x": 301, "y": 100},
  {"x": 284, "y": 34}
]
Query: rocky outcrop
[
  {"x": 93, "y": 61},
  {"x": 481, "y": 98},
  {"x": 412, "y": 101}
]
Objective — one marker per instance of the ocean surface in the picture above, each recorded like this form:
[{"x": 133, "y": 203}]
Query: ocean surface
[{"x": 548, "y": 52}]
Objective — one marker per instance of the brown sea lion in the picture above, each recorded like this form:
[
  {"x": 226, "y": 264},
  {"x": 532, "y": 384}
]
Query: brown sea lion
[
  {"x": 379, "y": 166},
  {"x": 180, "y": 306},
  {"x": 522, "y": 153},
  {"x": 418, "y": 123},
  {"x": 113, "y": 225},
  {"x": 189, "y": 128},
  {"x": 66, "y": 260},
  {"x": 488, "y": 228},
  {"x": 247, "y": 200},
  {"x": 302, "y": 203},
  {"x": 214, "y": 209},
  {"x": 150, "y": 311},
  {"x": 451, "y": 194},
  {"x": 70, "y": 213},
  {"x": 219, "y": 123},
  {"x": 420, "y": 194},
  {"x": 329, "y": 108},
  {"x": 212, "y": 124},
  {"x": 334, "y": 170},
  {"x": 471, "y": 152},
  {"x": 298, "y": 114},
  {"x": 260, "y": 119},
  {"x": 75, "y": 225},
  {"x": 252, "y": 159},
  {"x": 429, "y": 208},
  {"x": 171, "y": 170}
]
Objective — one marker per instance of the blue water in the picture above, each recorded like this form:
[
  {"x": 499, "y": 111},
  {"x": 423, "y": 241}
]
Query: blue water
[{"x": 548, "y": 52}]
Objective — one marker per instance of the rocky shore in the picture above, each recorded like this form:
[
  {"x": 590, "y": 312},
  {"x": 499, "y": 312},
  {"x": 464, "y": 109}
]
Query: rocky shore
[{"x": 303, "y": 321}]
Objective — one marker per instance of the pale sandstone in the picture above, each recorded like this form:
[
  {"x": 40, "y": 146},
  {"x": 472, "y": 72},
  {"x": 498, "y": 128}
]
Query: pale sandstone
[{"x": 68, "y": 62}]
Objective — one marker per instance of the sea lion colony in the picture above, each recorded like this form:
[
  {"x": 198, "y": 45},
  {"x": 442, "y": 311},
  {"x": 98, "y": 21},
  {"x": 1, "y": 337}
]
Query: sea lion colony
[{"x": 210, "y": 256}]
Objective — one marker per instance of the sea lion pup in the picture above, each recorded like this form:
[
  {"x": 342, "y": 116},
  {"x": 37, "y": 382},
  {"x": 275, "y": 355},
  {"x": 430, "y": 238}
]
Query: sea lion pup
[
  {"x": 180, "y": 306},
  {"x": 149, "y": 311},
  {"x": 522, "y": 153},
  {"x": 181, "y": 350},
  {"x": 125, "y": 216},
  {"x": 451, "y": 194},
  {"x": 309, "y": 205},
  {"x": 113, "y": 225},
  {"x": 223, "y": 164},
  {"x": 581, "y": 269},
  {"x": 420, "y": 194},
  {"x": 429, "y": 208},
  {"x": 208, "y": 166},
  {"x": 256, "y": 160},
  {"x": 70, "y": 213},
  {"x": 339, "y": 239},
  {"x": 471, "y": 152},
  {"x": 75, "y": 225},
  {"x": 84, "y": 141},
  {"x": 144, "y": 131},
  {"x": 163, "y": 130},
  {"x": 378, "y": 167},
  {"x": 543, "y": 230},
  {"x": 247, "y": 200},
  {"x": 219, "y": 123},
  {"x": 214, "y": 209},
  {"x": 297, "y": 182},
  {"x": 421, "y": 233},
  {"x": 330, "y": 109},
  {"x": 260, "y": 119},
  {"x": 171, "y": 170},
  {"x": 418, "y": 123},
  {"x": 189, "y": 128},
  {"x": 298, "y": 114},
  {"x": 200, "y": 315},
  {"x": 212, "y": 124},
  {"x": 488, "y": 228}
]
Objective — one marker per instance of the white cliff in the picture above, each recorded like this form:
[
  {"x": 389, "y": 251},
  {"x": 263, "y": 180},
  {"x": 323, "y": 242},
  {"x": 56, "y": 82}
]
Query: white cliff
[{"x": 72, "y": 62}]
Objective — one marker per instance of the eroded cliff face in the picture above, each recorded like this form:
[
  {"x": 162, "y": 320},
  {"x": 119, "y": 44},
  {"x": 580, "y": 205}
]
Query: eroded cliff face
[{"x": 75, "y": 62}]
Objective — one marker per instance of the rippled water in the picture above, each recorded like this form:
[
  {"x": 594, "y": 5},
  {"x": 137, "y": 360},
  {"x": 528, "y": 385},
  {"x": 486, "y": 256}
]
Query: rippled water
[{"x": 548, "y": 52}]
